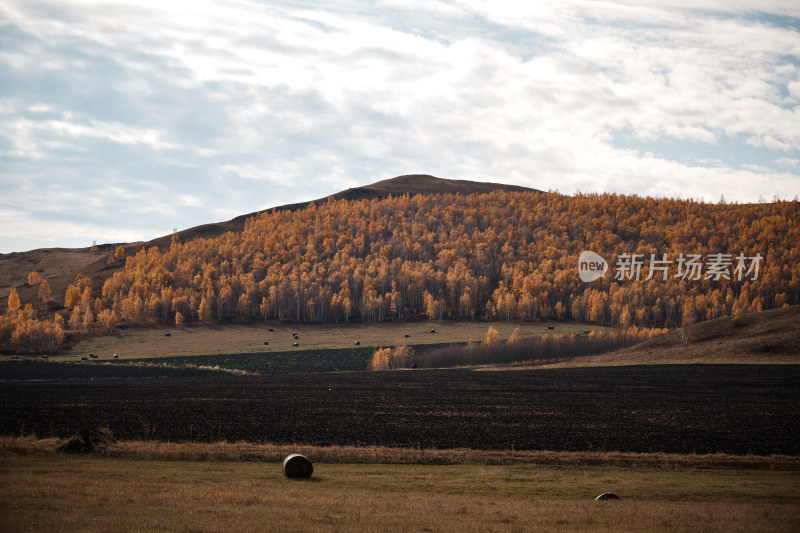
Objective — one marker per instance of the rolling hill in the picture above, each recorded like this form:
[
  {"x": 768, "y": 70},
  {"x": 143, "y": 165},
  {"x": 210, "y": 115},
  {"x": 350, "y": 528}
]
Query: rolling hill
[
  {"x": 768, "y": 337},
  {"x": 60, "y": 265}
]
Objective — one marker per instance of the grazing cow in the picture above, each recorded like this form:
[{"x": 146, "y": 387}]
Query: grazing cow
[
  {"x": 116, "y": 356},
  {"x": 168, "y": 334},
  {"x": 587, "y": 331},
  {"x": 433, "y": 331},
  {"x": 84, "y": 358},
  {"x": 14, "y": 357},
  {"x": 272, "y": 329},
  {"x": 296, "y": 344},
  {"x": 357, "y": 343},
  {"x": 295, "y": 335},
  {"x": 550, "y": 327},
  {"x": 44, "y": 356},
  {"x": 406, "y": 335},
  {"x": 266, "y": 343}
]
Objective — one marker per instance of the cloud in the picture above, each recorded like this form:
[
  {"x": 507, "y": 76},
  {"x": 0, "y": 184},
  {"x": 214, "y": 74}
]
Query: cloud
[{"x": 178, "y": 114}]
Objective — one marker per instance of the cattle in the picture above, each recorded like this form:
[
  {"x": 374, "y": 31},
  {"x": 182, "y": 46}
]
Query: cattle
[
  {"x": 550, "y": 327},
  {"x": 168, "y": 334},
  {"x": 266, "y": 343},
  {"x": 433, "y": 331},
  {"x": 296, "y": 344},
  {"x": 406, "y": 335},
  {"x": 357, "y": 343},
  {"x": 116, "y": 356}
]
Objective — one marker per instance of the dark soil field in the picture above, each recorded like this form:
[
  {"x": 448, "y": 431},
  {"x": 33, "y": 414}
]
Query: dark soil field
[{"x": 735, "y": 409}]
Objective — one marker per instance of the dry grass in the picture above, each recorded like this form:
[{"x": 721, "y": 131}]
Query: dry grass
[
  {"x": 67, "y": 493},
  {"x": 246, "y": 451},
  {"x": 769, "y": 337},
  {"x": 249, "y": 338}
]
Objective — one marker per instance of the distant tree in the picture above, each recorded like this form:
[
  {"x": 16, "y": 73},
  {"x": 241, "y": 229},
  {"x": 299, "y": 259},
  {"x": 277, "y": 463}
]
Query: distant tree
[
  {"x": 34, "y": 278},
  {"x": 492, "y": 336},
  {"x": 44, "y": 294},
  {"x": 13, "y": 303},
  {"x": 204, "y": 311},
  {"x": 515, "y": 336}
]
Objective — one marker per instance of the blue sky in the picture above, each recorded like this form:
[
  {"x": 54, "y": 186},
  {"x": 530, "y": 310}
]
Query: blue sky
[{"x": 123, "y": 120}]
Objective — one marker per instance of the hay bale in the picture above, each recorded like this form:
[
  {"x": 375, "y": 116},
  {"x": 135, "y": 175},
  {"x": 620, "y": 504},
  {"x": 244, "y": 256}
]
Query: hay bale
[
  {"x": 606, "y": 496},
  {"x": 296, "y": 466},
  {"x": 88, "y": 441}
]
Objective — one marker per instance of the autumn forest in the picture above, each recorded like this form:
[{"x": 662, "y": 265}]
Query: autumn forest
[{"x": 501, "y": 256}]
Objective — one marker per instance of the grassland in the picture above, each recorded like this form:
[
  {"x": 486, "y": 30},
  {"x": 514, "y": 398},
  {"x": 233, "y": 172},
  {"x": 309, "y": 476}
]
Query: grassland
[
  {"x": 249, "y": 338},
  {"x": 68, "y": 493}
]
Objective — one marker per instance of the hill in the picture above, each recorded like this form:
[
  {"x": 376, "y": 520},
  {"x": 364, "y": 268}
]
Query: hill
[
  {"x": 508, "y": 254},
  {"x": 771, "y": 336},
  {"x": 60, "y": 265}
]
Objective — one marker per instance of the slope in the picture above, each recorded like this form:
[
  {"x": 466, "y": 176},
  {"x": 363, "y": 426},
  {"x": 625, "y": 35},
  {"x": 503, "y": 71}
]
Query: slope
[
  {"x": 767, "y": 337},
  {"x": 60, "y": 265}
]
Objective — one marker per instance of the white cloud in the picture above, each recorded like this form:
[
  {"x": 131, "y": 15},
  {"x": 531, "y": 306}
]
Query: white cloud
[{"x": 181, "y": 113}]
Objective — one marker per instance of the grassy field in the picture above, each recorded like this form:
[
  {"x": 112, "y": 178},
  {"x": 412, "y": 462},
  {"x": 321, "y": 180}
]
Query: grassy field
[
  {"x": 68, "y": 493},
  {"x": 249, "y": 338}
]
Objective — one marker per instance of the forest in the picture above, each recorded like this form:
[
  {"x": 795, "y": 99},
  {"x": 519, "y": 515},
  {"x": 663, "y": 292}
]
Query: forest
[{"x": 499, "y": 256}]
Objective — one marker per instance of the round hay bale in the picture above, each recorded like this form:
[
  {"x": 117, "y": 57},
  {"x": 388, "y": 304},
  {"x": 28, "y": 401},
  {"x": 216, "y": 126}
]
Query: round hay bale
[
  {"x": 606, "y": 496},
  {"x": 296, "y": 466}
]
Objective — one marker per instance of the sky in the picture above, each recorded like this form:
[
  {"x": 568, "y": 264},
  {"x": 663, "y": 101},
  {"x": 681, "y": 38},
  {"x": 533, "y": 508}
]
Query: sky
[{"x": 123, "y": 120}]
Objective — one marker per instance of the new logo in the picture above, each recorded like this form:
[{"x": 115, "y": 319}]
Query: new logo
[{"x": 591, "y": 266}]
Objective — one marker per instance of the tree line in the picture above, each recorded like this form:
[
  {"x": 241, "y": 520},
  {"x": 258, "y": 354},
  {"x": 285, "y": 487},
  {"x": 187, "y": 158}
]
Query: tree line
[{"x": 498, "y": 256}]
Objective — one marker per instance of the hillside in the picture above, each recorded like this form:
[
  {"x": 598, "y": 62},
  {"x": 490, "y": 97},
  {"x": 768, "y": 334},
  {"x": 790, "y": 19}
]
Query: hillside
[
  {"x": 507, "y": 254},
  {"x": 60, "y": 265},
  {"x": 771, "y": 336}
]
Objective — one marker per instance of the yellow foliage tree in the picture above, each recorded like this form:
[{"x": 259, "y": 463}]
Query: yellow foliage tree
[{"x": 492, "y": 335}]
